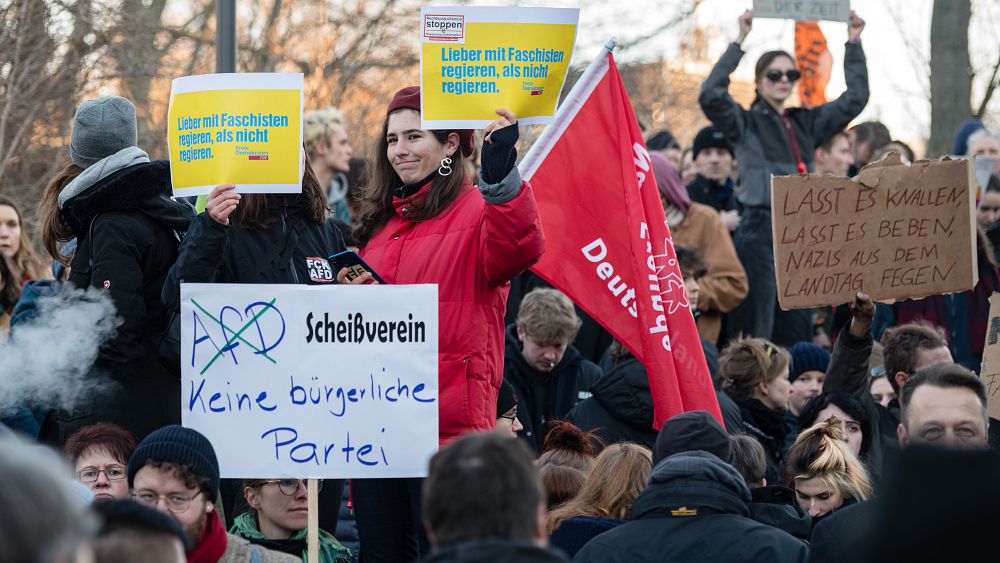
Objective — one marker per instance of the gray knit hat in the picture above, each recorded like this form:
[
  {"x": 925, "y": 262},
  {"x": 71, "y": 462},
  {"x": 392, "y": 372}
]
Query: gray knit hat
[{"x": 102, "y": 127}]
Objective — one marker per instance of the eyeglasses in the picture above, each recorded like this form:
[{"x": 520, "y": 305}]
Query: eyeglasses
[
  {"x": 113, "y": 473},
  {"x": 175, "y": 503},
  {"x": 775, "y": 75},
  {"x": 511, "y": 417},
  {"x": 289, "y": 487}
]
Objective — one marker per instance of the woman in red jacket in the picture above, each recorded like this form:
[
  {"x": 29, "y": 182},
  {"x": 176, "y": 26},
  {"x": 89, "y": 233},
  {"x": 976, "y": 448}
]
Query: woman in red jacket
[{"x": 422, "y": 221}]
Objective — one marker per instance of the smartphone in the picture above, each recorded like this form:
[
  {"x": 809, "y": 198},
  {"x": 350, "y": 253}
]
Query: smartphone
[{"x": 354, "y": 264}]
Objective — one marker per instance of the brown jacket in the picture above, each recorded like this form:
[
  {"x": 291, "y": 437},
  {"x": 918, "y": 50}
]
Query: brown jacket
[
  {"x": 725, "y": 284},
  {"x": 239, "y": 550}
]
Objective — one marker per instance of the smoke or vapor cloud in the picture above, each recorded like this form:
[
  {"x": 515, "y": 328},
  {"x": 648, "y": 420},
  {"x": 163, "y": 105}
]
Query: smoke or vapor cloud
[{"x": 49, "y": 359}]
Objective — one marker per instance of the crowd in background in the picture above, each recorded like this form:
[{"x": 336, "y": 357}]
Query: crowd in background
[{"x": 833, "y": 419}]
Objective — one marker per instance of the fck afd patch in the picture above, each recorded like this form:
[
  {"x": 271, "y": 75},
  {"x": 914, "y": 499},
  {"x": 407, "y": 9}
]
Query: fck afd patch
[{"x": 319, "y": 269}]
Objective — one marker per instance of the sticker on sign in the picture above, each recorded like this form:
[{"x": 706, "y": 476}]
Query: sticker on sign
[{"x": 444, "y": 28}]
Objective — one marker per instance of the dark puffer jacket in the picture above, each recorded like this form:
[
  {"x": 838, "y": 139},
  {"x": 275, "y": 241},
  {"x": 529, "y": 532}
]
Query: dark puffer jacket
[
  {"x": 542, "y": 397},
  {"x": 695, "y": 509},
  {"x": 494, "y": 551},
  {"x": 127, "y": 228},
  {"x": 621, "y": 408}
]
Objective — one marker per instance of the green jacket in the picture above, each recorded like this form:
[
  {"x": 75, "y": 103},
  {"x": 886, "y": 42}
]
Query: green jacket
[{"x": 330, "y": 550}]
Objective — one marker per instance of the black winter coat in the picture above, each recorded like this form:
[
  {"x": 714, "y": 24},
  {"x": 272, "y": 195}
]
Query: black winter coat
[
  {"x": 621, "y": 408},
  {"x": 125, "y": 224},
  {"x": 542, "y": 397},
  {"x": 693, "y": 510},
  {"x": 776, "y": 506},
  {"x": 707, "y": 192},
  {"x": 215, "y": 253}
]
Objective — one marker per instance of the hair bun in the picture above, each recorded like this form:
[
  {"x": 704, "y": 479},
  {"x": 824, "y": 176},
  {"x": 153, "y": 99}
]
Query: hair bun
[{"x": 567, "y": 436}]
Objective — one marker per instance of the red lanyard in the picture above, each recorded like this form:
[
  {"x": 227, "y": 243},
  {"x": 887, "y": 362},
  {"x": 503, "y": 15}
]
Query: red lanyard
[{"x": 801, "y": 166}]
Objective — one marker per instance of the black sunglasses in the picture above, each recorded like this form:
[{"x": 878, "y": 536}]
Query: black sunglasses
[{"x": 775, "y": 75}]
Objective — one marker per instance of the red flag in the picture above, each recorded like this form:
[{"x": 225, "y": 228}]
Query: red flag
[
  {"x": 814, "y": 61},
  {"x": 607, "y": 245}
]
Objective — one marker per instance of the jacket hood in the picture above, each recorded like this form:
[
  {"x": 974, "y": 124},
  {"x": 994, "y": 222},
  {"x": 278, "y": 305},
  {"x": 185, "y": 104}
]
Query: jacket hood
[
  {"x": 515, "y": 347},
  {"x": 693, "y": 480},
  {"x": 495, "y": 551},
  {"x": 139, "y": 186},
  {"x": 624, "y": 393},
  {"x": 776, "y": 507}
]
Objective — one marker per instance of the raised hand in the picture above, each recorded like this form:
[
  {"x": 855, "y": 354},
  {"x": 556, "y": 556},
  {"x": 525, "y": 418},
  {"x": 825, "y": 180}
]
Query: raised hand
[
  {"x": 854, "y": 27},
  {"x": 222, "y": 202},
  {"x": 746, "y": 22},
  {"x": 507, "y": 117}
]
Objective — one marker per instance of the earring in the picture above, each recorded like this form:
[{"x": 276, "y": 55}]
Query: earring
[{"x": 445, "y": 169}]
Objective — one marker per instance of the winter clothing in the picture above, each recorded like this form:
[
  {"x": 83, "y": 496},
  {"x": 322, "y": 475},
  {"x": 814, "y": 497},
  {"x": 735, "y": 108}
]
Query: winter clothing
[
  {"x": 181, "y": 446},
  {"x": 213, "y": 543},
  {"x": 668, "y": 181},
  {"x": 621, "y": 406},
  {"x": 837, "y": 539},
  {"x": 694, "y": 509},
  {"x": 720, "y": 197},
  {"x": 725, "y": 284},
  {"x": 102, "y": 127},
  {"x": 471, "y": 251},
  {"x": 330, "y": 550},
  {"x": 495, "y": 551},
  {"x": 711, "y": 137},
  {"x": 731, "y": 415},
  {"x": 114, "y": 513},
  {"x": 217, "y": 546},
  {"x": 662, "y": 140},
  {"x": 767, "y": 426},
  {"x": 216, "y": 253},
  {"x": 776, "y": 506},
  {"x": 848, "y": 372},
  {"x": 541, "y": 396},
  {"x": 692, "y": 431},
  {"x": 409, "y": 98},
  {"x": 763, "y": 148},
  {"x": 506, "y": 398},
  {"x": 573, "y": 533},
  {"x": 807, "y": 356},
  {"x": 127, "y": 227}
]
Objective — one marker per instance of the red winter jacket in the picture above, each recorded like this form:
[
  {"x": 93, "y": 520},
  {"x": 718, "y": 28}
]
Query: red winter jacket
[{"x": 471, "y": 250}]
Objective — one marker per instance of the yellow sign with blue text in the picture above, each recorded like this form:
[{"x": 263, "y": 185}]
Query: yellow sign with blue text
[
  {"x": 474, "y": 60},
  {"x": 242, "y": 129}
]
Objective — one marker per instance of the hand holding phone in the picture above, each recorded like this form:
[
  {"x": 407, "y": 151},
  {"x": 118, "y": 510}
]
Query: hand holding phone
[{"x": 353, "y": 270}]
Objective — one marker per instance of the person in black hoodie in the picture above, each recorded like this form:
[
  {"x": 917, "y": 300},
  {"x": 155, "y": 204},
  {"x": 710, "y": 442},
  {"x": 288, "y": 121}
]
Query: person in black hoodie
[
  {"x": 755, "y": 376},
  {"x": 773, "y": 505},
  {"x": 547, "y": 372},
  {"x": 483, "y": 501},
  {"x": 127, "y": 228}
]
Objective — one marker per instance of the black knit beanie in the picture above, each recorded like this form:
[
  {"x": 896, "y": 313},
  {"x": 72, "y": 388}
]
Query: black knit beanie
[
  {"x": 690, "y": 431},
  {"x": 506, "y": 398},
  {"x": 181, "y": 446}
]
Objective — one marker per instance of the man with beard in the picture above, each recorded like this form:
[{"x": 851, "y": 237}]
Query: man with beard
[
  {"x": 548, "y": 373},
  {"x": 175, "y": 471}
]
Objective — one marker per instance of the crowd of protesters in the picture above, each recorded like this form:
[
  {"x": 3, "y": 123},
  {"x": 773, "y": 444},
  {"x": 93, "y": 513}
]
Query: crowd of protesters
[{"x": 833, "y": 421}]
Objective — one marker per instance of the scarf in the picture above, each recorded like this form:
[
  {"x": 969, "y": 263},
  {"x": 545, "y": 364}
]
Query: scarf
[
  {"x": 213, "y": 542},
  {"x": 767, "y": 424},
  {"x": 330, "y": 550}
]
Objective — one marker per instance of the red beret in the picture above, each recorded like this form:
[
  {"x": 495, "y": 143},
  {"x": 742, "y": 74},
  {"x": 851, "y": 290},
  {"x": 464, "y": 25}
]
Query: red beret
[{"x": 409, "y": 98}]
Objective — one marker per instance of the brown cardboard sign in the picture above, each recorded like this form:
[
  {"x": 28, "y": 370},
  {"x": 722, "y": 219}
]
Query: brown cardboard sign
[
  {"x": 896, "y": 231},
  {"x": 990, "y": 371}
]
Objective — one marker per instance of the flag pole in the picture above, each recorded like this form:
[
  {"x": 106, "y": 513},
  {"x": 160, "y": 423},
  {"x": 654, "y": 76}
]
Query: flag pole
[{"x": 567, "y": 110}]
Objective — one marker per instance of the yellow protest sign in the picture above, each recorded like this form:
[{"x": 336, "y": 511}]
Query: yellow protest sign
[
  {"x": 474, "y": 60},
  {"x": 243, "y": 129}
]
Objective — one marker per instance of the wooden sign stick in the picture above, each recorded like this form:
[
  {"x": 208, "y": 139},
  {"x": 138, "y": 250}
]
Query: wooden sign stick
[{"x": 313, "y": 533}]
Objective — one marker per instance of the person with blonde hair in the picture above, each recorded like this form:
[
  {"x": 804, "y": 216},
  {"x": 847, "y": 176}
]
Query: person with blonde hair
[
  {"x": 824, "y": 472},
  {"x": 617, "y": 476},
  {"x": 329, "y": 151},
  {"x": 755, "y": 376},
  {"x": 547, "y": 371}
]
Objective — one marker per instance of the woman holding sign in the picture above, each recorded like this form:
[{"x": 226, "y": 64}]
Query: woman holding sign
[
  {"x": 770, "y": 139},
  {"x": 422, "y": 221}
]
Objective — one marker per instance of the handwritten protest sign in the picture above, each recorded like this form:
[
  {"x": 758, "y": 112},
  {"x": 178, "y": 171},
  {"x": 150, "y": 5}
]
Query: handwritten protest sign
[
  {"x": 990, "y": 371},
  {"x": 474, "y": 60},
  {"x": 803, "y": 10},
  {"x": 243, "y": 129},
  {"x": 312, "y": 381},
  {"x": 894, "y": 232}
]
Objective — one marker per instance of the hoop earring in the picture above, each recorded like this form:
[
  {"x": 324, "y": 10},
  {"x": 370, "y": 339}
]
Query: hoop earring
[{"x": 445, "y": 168}]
